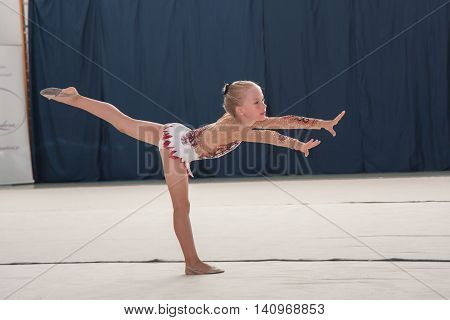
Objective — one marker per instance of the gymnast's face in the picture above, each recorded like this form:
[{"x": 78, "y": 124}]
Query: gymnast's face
[{"x": 253, "y": 107}]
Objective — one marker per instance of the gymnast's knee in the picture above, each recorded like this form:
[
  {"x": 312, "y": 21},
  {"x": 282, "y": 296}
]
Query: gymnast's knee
[{"x": 182, "y": 208}]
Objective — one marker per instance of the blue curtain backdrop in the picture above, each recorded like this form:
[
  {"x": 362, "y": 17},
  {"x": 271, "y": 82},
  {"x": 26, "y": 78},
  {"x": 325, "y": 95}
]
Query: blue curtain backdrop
[{"x": 385, "y": 62}]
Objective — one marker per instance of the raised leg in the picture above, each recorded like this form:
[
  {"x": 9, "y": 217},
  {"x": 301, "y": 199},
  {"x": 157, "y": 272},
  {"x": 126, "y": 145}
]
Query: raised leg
[{"x": 146, "y": 131}]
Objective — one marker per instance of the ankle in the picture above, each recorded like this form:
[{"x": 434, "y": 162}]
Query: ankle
[{"x": 193, "y": 262}]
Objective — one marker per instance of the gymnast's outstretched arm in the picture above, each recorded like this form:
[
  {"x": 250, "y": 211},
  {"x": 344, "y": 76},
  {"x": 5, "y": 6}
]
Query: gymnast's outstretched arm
[
  {"x": 297, "y": 122},
  {"x": 289, "y": 122},
  {"x": 277, "y": 139}
]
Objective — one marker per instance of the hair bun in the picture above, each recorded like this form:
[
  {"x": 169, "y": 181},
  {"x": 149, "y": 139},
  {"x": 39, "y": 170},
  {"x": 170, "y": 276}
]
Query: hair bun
[{"x": 225, "y": 88}]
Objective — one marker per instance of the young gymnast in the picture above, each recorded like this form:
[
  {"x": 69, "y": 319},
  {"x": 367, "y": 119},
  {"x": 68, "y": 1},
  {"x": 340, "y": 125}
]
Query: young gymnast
[{"x": 245, "y": 110}]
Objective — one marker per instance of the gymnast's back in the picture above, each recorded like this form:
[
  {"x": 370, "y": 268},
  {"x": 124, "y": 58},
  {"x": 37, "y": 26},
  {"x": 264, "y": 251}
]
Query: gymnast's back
[{"x": 215, "y": 139}]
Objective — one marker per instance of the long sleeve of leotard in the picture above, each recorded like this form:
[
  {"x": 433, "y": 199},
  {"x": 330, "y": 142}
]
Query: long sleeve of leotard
[
  {"x": 288, "y": 122},
  {"x": 270, "y": 137}
]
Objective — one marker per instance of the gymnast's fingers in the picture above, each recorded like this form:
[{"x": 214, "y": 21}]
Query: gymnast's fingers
[
  {"x": 339, "y": 117},
  {"x": 312, "y": 143}
]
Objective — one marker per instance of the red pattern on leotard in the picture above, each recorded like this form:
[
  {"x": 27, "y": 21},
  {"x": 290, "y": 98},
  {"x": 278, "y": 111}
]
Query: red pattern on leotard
[{"x": 166, "y": 142}]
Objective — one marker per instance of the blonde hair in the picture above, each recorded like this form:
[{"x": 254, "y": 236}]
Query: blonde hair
[{"x": 233, "y": 94}]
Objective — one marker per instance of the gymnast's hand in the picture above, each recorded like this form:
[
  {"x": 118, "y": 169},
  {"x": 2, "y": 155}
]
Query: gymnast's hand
[
  {"x": 304, "y": 147},
  {"x": 328, "y": 125}
]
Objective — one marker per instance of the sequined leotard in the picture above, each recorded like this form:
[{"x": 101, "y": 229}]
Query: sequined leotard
[{"x": 187, "y": 144}]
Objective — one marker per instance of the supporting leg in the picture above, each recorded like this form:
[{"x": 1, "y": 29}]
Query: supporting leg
[{"x": 177, "y": 182}]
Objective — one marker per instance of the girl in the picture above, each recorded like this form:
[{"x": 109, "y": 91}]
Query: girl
[{"x": 245, "y": 110}]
